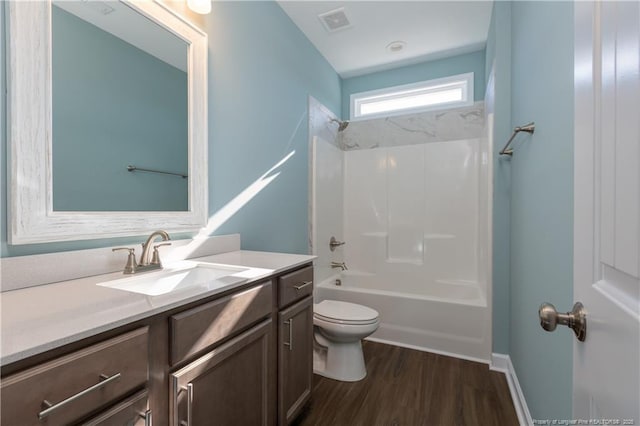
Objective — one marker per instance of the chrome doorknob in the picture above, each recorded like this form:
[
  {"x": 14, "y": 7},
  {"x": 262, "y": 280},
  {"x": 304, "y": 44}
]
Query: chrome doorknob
[{"x": 575, "y": 320}]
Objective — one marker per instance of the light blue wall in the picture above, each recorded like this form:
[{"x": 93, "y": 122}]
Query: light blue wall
[
  {"x": 470, "y": 62},
  {"x": 542, "y": 202},
  {"x": 103, "y": 122},
  {"x": 499, "y": 59},
  {"x": 261, "y": 70}
]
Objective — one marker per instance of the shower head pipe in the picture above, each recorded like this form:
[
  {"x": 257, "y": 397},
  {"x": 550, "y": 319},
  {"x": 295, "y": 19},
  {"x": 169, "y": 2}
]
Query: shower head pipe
[{"x": 342, "y": 124}]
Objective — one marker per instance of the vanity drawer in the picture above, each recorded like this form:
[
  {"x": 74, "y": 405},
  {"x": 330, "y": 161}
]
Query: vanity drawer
[
  {"x": 132, "y": 411},
  {"x": 78, "y": 383},
  {"x": 295, "y": 285},
  {"x": 198, "y": 328}
]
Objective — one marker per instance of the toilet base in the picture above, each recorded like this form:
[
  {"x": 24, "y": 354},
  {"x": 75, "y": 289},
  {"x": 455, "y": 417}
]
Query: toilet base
[{"x": 339, "y": 361}]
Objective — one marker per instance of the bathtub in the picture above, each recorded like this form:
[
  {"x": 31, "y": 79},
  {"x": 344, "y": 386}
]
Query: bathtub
[{"x": 441, "y": 316}]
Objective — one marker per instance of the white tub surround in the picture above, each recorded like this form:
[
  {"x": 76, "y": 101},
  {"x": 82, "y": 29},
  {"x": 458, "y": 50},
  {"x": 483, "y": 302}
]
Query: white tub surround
[
  {"x": 415, "y": 196},
  {"x": 450, "y": 320},
  {"x": 40, "y": 318},
  {"x": 326, "y": 188}
]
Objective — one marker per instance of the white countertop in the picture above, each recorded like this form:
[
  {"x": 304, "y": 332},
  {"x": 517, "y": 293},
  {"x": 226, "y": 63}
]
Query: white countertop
[{"x": 37, "y": 319}]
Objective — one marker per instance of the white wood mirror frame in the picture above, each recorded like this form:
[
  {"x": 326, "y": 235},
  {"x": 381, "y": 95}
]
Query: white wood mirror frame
[{"x": 31, "y": 218}]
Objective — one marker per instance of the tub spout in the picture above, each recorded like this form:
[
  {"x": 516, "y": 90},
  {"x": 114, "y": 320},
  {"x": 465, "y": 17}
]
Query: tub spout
[{"x": 340, "y": 265}]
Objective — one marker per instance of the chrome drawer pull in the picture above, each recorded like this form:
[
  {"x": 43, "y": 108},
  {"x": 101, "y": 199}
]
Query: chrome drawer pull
[
  {"x": 290, "y": 342},
  {"x": 303, "y": 285},
  {"x": 53, "y": 407},
  {"x": 189, "y": 389}
]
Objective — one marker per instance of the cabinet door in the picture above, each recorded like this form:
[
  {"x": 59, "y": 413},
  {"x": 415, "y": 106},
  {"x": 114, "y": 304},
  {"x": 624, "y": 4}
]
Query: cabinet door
[
  {"x": 229, "y": 385},
  {"x": 295, "y": 359}
]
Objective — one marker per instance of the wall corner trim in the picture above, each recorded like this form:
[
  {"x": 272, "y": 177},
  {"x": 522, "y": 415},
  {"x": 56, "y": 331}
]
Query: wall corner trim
[{"x": 502, "y": 363}]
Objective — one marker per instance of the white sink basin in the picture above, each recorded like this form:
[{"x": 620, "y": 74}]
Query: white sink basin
[{"x": 184, "y": 276}]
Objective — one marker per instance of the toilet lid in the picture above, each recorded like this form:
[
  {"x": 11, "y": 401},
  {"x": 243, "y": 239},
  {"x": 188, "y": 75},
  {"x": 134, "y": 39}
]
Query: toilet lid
[{"x": 344, "y": 311}]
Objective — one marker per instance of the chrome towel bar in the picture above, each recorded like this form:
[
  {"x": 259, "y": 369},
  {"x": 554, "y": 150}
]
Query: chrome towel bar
[
  {"x": 529, "y": 128},
  {"x": 140, "y": 169}
]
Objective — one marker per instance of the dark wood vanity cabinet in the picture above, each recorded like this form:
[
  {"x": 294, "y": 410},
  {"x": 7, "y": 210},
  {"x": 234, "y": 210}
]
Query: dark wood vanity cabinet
[
  {"x": 234, "y": 382},
  {"x": 295, "y": 362},
  {"x": 231, "y": 385},
  {"x": 295, "y": 343},
  {"x": 133, "y": 411},
  {"x": 69, "y": 388},
  {"x": 240, "y": 358}
]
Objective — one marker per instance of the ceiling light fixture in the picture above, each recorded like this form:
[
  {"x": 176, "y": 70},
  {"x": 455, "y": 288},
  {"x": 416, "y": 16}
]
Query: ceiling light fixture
[
  {"x": 202, "y": 7},
  {"x": 396, "y": 46}
]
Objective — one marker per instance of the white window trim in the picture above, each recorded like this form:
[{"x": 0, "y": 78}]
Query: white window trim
[{"x": 397, "y": 92}]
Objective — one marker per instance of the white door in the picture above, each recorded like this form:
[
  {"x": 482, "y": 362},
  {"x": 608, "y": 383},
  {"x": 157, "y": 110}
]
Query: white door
[{"x": 606, "y": 372}]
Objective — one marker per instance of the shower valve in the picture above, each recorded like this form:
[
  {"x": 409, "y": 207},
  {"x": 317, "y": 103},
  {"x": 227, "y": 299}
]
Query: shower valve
[{"x": 333, "y": 243}]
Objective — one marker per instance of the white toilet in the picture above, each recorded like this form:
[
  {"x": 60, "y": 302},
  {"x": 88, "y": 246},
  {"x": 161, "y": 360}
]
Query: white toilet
[{"x": 339, "y": 328}]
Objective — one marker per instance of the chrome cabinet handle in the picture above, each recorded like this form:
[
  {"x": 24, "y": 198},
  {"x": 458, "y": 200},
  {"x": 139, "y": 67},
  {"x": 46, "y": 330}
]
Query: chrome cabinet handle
[
  {"x": 189, "y": 389},
  {"x": 148, "y": 419},
  {"x": 50, "y": 408},
  {"x": 575, "y": 320},
  {"x": 289, "y": 322},
  {"x": 303, "y": 285}
]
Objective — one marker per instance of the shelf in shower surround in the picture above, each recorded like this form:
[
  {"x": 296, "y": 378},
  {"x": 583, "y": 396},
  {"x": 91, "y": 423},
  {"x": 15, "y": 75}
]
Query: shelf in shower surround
[
  {"x": 405, "y": 260},
  {"x": 378, "y": 234},
  {"x": 468, "y": 283},
  {"x": 383, "y": 234},
  {"x": 439, "y": 236}
]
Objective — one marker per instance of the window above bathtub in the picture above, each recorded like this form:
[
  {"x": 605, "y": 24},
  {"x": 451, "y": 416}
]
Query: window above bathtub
[{"x": 442, "y": 93}]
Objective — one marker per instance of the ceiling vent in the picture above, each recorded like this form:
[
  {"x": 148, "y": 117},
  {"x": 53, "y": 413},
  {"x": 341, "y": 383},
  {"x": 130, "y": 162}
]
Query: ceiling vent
[{"x": 335, "y": 20}]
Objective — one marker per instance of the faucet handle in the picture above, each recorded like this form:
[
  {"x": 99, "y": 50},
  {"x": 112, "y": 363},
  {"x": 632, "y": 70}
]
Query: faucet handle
[
  {"x": 333, "y": 243},
  {"x": 155, "y": 260},
  {"x": 130, "y": 267}
]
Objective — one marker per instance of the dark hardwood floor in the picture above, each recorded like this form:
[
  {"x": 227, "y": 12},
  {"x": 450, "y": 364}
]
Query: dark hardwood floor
[{"x": 405, "y": 387}]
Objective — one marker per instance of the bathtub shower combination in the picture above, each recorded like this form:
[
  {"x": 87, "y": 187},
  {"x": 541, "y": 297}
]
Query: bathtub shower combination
[{"x": 410, "y": 196}]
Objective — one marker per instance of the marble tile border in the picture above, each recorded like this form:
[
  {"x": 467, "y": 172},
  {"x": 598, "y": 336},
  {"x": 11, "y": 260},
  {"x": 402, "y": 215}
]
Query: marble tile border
[{"x": 412, "y": 129}]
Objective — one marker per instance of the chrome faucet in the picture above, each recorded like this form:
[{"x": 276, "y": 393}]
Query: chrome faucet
[
  {"x": 145, "y": 264},
  {"x": 340, "y": 265},
  {"x": 146, "y": 246}
]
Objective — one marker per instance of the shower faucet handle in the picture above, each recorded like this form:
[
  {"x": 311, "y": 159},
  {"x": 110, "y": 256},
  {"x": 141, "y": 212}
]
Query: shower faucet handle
[{"x": 333, "y": 243}]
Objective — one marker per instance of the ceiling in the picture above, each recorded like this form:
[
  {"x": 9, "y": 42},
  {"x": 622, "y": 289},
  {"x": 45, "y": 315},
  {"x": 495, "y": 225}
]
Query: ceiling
[
  {"x": 430, "y": 29},
  {"x": 132, "y": 27}
]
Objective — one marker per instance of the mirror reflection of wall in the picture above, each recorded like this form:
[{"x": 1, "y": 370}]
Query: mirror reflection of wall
[{"x": 119, "y": 99}]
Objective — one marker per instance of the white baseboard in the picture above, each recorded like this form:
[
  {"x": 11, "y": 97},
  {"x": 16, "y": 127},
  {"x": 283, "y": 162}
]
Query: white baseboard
[
  {"x": 502, "y": 363},
  {"x": 499, "y": 362}
]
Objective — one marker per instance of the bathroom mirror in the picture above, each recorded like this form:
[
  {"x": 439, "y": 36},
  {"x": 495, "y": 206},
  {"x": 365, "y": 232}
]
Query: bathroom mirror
[
  {"x": 108, "y": 130},
  {"x": 107, "y": 120}
]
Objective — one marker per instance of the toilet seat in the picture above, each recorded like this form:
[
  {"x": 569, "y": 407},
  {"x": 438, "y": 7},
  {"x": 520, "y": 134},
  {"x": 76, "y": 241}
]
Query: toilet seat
[{"x": 338, "y": 312}]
